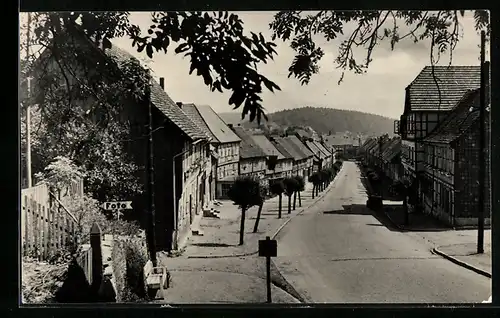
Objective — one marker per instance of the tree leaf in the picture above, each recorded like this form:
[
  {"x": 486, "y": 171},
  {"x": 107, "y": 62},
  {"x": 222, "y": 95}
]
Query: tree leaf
[
  {"x": 183, "y": 47},
  {"x": 149, "y": 50}
]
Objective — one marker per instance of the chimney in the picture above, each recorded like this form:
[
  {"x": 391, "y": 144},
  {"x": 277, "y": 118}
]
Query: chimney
[
  {"x": 162, "y": 83},
  {"x": 179, "y": 104}
]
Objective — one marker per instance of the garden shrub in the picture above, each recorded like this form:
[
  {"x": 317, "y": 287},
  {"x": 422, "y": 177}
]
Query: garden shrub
[{"x": 129, "y": 258}]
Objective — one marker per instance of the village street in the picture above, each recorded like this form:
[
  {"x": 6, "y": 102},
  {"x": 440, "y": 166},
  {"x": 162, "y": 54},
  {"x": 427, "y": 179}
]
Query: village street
[
  {"x": 339, "y": 252},
  {"x": 344, "y": 255}
]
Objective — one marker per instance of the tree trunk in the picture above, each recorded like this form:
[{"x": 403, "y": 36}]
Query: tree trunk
[
  {"x": 256, "y": 226},
  {"x": 314, "y": 189},
  {"x": 289, "y": 204},
  {"x": 242, "y": 226},
  {"x": 317, "y": 189},
  {"x": 294, "y": 199},
  {"x": 279, "y": 207},
  {"x": 300, "y": 200}
]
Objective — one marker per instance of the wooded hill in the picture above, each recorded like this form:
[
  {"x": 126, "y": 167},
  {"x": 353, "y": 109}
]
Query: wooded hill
[{"x": 322, "y": 120}]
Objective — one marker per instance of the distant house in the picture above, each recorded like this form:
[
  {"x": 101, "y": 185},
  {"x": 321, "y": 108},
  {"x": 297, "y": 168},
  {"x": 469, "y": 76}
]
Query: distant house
[
  {"x": 299, "y": 158},
  {"x": 319, "y": 153},
  {"x": 171, "y": 226},
  {"x": 253, "y": 160},
  {"x": 450, "y": 188},
  {"x": 284, "y": 165},
  {"x": 391, "y": 158},
  {"x": 281, "y": 145},
  {"x": 306, "y": 155},
  {"x": 225, "y": 142},
  {"x": 330, "y": 153},
  {"x": 429, "y": 99}
]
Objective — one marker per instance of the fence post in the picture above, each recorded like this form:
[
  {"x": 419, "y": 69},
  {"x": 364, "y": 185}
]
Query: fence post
[
  {"x": 27, "y": 236},
  {"x": 95, "y": 245},
  {"x": 45, "y": 223}
]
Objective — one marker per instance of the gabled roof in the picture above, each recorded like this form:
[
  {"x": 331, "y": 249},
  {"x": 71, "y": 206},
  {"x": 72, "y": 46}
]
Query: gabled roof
[
  {"x": 292, "y": 149},
  {"x": 324, "y": 149},
  {"x": 314, "y": 148},
  {"x": 392, "y": 150},
  {"x": 267, "y": 146},
  {"x": 368, "y": 142},
  {"x": 279, "y": 143},
  {"x": 372, "y": 146},
  {"x": 194, "y": 115},
  {"x": 161, "y": 100},
  {"x": 458, "y": 121},
  {"x": 218, "y": 128},
  {"x": 336, "y": 140},
  {"x": 299, "y": 146},
  {"x": 453, "y": 82},
  {"x": 248, "y": 147}
]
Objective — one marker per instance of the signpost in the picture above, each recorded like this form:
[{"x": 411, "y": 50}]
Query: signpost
[
  {"x": 268, "y": 248},
  {"x": 117, "y": 206}
]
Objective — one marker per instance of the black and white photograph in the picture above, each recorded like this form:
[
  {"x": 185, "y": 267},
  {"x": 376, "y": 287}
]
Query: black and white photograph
[{"x": 255, "y": 157}]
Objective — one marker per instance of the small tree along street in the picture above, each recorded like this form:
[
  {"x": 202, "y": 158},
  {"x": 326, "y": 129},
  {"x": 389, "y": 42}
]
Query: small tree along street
[
  {"x": 245, "y": 193},
  {"x": 301, "y": 184},
  {"x": 291, "y": 185},
  {"x": 277, "y": 188}
]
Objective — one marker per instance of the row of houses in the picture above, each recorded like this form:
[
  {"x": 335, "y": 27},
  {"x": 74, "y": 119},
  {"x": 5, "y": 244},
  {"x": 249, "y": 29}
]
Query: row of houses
[
  {"x": 196, "y": 156},
  {"x": 437, "y": 150}
]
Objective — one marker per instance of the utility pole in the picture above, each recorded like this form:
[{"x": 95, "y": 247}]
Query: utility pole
[
  {"x": 150, "y": 177},
  {"x": 481, "y": 168},
  {"x": 28, "y": 113},
  {"x": 380, "y": 142}
]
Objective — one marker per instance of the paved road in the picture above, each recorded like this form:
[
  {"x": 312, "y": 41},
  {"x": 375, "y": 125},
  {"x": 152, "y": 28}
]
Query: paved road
[{"x": 339, "y": 252}]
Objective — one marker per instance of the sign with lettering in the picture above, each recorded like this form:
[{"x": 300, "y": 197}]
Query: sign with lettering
[{"x": 120, "y": 205}]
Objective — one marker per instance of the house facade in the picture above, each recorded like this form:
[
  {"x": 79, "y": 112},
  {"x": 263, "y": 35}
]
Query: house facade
[
  {"x": 319, "y": 163},
  {"x": 280, "y": 144},
  {"x": 283, "y": 166},
  {"x": 450, "y": 189},
  {"x": 329, "y": 154},
  {"x": 305, "y": 163},
  {"x": 167, "y": 120},
  {"x": 429, "y": 98},
  {"x": 253, "y": 160},
  {"x": 225, "y": 142},
  {"x": 391, "y": 159}
]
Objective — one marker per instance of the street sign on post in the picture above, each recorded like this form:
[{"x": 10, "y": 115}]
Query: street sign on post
[
  {"x": 117, "y": 206},
  {"x": 268, "y": 248}
]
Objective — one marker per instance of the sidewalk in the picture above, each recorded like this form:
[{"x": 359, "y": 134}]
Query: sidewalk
[
  {"x": 214, "y": 269},
  {"x": 221, "y": 236}
]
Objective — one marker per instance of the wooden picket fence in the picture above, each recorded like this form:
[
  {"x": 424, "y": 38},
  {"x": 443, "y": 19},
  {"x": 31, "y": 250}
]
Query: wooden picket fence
[{"x": 46, "y": 225}]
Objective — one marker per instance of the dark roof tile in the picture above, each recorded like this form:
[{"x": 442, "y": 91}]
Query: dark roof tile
[
  {"x": 458, "y": 121},
  {"x": 300, "y": 147},
  {"x": 267, "y": 146},
  {"x": 161, "y": 100},
  {"x": 452, "y": 83},
  {"x": 248, "y": 147}
]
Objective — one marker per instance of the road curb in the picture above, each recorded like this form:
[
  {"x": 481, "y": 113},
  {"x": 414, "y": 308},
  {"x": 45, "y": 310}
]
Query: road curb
[
  {"x": 277, "y": 231},
  {"x": 313, "y": 203},
  {"x": 460, "y": 263}
]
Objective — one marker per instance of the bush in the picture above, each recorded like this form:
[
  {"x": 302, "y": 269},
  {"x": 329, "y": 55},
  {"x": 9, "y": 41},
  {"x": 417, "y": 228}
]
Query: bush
[
  {"x": 129, "y": 258},
  {"x": 373, "y": 176}
]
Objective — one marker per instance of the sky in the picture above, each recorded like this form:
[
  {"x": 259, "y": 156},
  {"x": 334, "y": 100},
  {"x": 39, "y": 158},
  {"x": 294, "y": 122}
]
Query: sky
[{"x": 380, "y": 91}]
